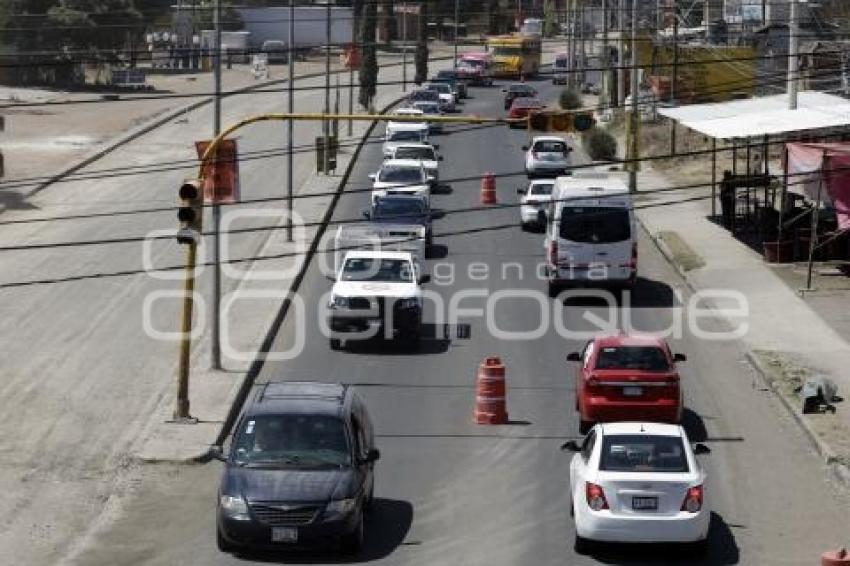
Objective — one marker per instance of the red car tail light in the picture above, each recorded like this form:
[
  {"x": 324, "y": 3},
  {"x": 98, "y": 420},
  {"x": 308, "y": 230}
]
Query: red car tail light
[
  {"x": 693, "y": 500},
  {"x": 595, "y": 497},
  {"x": 553, "y": 253}
]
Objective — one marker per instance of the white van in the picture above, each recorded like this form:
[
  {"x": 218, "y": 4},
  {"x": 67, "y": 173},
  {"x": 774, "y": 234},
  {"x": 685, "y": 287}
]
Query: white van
[
  {"x": 590, "y": 234},
  {"x": 402, "y": 133},
  {"x": 560, "y": 68}
]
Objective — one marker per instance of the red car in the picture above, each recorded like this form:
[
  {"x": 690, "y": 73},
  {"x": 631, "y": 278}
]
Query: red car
[
  {"x": 627, "y": 378},
  {"x": 520, "y": 107}
]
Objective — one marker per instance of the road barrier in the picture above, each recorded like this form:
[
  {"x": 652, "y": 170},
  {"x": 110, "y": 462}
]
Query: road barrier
[
  {"x": 490, "y": 404},
  {"x": 488, "y": 189}
]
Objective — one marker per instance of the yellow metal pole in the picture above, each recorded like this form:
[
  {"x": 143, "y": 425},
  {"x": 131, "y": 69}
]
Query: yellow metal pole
[{"x": 181, "y": 411}]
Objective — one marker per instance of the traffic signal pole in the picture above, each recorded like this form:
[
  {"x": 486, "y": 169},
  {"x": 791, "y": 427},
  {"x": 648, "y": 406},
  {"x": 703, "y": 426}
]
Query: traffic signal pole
[
  {"x": 181, "y": 410},
  {"x": 634, "y": 118},
  {"x": 215, "y": 332}
]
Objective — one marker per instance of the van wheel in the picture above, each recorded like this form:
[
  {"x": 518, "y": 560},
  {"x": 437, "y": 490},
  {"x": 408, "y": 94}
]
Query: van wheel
[
  {"x": 554, "y": 289},
  {"x": 352, "y": 543},
  {"x": 336, "y": 344}
]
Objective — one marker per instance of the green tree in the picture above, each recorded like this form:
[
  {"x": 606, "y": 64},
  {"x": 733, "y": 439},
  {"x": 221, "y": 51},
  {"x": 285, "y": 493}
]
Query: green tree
[
  {"x": 369, "y": 66},
  {"x": 570, "y": 99},
  {"x": 103, "y": 26}
]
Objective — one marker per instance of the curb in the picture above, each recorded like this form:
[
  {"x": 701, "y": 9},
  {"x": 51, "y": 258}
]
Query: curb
[
  {"x": 155, "y": 123},
  {"x": 271, "y": 333},
  {"x": 661, "y": 246},
  {"x": 838, "y": 469}
]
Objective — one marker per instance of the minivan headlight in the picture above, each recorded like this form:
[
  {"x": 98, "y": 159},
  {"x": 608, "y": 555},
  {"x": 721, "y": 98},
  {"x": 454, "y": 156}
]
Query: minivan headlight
[
  {"x": 234, "y": 507},
  {"x": 341, "y": 506}
]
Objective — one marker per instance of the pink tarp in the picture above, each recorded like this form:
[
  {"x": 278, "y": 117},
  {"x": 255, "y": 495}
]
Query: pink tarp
[{"x": 807, "y": 162}]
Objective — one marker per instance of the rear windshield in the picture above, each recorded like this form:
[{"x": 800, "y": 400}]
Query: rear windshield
[
  {"x": 415, "y": 153},
  {"x": 424, "y": 95},
  {"x": 645, "y": 358},
  {"x": 398, "y": 207},
  {"x": 405, "y": 135},
  {"x": 429, "y": 108},
  {"x": 595, "y": 225},
  {"x": 542, "y": 189},
  {"x": 520, "y": 88},
  {"x": 439, "y": 87},
  {"x": 550, "y": 147},
  {"x": 643, "y": 453},
  {"x": 561, "y": 62}
]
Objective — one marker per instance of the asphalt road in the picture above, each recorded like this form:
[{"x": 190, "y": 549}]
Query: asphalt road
[{"x": 452, "y": 492}]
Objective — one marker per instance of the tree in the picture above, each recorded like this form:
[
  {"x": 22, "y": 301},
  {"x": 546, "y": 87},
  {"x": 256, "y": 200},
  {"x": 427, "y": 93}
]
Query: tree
[
  {"x": 369, "y": 65},
  {"x": 570, "y": 99},
  {"x": 103, "y": 26},
  {"x": 421, "y": 56}
]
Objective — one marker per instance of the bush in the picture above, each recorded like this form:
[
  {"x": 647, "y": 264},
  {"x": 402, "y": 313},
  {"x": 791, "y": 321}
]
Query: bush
[
  {"x": 599, "y": 144},
  {"x": 570, "y": 99}
]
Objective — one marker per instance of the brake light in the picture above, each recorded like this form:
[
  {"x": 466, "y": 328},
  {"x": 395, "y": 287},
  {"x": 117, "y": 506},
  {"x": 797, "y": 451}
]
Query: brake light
[
  {"x": 553, "y": 252},
  {"x": 693, "y": 500},
  {"x": 595, "y": 497}
]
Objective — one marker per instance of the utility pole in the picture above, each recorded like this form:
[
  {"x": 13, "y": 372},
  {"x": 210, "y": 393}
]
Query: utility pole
[
  {"x": 573, "y": 68},
  {"x": 634, "y": 153},
  {"x": 674, "y": 82},
  {"x": 215, "y": 338},
  {"x": 582, "y": 50},
  {"x": 621, "y": 54},
  {"x": 325, "y": 125},
  {"x": 404, "y": 51},
  {"x": 290, "y": 134},
  {"x": 606, "y": 59},
  {"x": 457, "y": 11},
  {"x": 793, "y": 53}
]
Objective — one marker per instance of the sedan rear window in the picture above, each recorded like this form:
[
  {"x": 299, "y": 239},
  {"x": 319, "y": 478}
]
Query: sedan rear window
[
  {"x": 405, "y": 135},
  {"x": 645, "y": 358},
  {"x": 643, "y": 453},
  {"x": 550, "y": 147},
  {"x": 595, "y": 225},
  {"x": 542, "y": 189},
  {"x": 425, "y": 153}
]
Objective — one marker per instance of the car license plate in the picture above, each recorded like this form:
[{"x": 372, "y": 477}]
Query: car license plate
[
  {"x": 284, "y": 534},
  {"x": 632, "y": 391},
  {"x": 645, "y": 503}
]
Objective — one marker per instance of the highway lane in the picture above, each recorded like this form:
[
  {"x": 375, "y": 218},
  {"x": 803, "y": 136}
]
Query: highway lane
[{"x": 451, "y": 492}]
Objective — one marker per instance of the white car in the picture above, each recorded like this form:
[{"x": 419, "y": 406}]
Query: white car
[
  {"x": 547, "y": 156},
  {"x": 425, "y": 153},
  {"x": 401, "y": 177},
  {"x": 447, "y": 97},
  {"x": 638, "y": 483},
  {"x": 404, "y": 132},
  {"x": 534, "y": 201}
]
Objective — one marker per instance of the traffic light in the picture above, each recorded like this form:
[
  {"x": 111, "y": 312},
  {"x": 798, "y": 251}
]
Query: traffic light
[
  {"x": 191, "y": 211},
  {"x": 560, "y": 121}
]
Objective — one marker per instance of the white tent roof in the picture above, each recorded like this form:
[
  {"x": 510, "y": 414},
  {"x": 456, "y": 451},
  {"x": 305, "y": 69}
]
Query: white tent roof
[{"x": 768, "y": 115}]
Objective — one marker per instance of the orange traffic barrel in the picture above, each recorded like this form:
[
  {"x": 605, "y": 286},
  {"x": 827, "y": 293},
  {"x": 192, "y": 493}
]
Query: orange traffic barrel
[
  {"x": 490, "y": 395},
  {"x": 838, "y": 557},
  {"x": 488, "y": 189}
]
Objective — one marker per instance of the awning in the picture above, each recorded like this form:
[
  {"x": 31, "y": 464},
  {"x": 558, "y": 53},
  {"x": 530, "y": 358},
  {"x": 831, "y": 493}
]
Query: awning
[
  {"x": 767, "y": 115},
  {"x": 826, "y": 165}
]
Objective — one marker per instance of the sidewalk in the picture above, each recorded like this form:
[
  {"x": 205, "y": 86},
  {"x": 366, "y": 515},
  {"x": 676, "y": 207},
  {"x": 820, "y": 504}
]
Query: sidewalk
[{"x": 787, "y": 339}]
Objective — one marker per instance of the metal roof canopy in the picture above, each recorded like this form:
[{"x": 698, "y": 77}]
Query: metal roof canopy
[{"x": 764, "y": 116}]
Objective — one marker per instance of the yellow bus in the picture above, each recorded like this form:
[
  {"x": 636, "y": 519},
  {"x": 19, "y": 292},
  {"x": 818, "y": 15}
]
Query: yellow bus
[{"x": 515, "y": 55}]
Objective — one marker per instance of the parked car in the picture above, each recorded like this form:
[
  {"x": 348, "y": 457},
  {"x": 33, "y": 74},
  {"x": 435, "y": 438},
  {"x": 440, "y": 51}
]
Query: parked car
[
  {"x": 547, "y": 156},
  {"x": 638, "y": 482},
  {"x": 447, "y": 97},
  {"x": 453, "y": 78},
  {"x": 424, "y": 153},
  {"x": 275, "y": 50},
  {"x": 520, "y": 107},
  {"x": 402, "y": 209},
  {"x": 590, "y": 234},
  {"x": 299, "y": 471},
  {"x": 401, "y": 177},
  {"x": 627, "y": 378},
  {"x": 518, "y": 90},
  {"x": 431, "y": 109},
  {"x": 534, "y": 201}
]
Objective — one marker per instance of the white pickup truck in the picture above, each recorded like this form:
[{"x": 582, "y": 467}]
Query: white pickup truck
[
  {"x": 376, "y": 294},
  {"x": 379, "y": 237}
]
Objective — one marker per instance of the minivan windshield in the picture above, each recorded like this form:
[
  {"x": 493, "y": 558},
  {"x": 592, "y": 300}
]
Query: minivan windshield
[
  {"x": 595, "y": 225},
  {"x": 643, "y": 453},
  {"x": 292, "y": 440}
]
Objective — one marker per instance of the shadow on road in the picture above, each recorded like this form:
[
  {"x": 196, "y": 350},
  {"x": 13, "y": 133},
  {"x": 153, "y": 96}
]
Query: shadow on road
[
  {"x": 646, "y": 293},
  {"x": 387, "y": 525},
  {"x": 434, "y": 341},
  {"x": 721, "y": 549},
  {"x": 694, "y": 426}
]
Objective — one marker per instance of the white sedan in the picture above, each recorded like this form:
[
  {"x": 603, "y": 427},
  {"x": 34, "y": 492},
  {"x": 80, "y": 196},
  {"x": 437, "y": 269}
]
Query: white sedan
[
  {"x": 547, "y": 156},
  {"x": 533, "y": 202},
  {"x": 401, "y": 177},
  {"x": 638, "y": 483}
]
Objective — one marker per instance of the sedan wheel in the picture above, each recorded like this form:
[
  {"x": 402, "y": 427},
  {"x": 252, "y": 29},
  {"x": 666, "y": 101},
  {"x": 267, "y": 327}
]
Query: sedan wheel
[{"x": 581, "y": 545}]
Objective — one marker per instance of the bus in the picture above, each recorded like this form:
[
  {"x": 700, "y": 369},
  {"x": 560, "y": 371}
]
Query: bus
[{"x": 515, "y": 55}]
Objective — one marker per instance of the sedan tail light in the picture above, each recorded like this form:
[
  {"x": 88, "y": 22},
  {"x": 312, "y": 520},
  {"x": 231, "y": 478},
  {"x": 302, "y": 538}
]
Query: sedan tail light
[
  {"x": 634, "y": 261},
  {"x": 693, "y": 500},
  {"x": 595, "y": 497}
]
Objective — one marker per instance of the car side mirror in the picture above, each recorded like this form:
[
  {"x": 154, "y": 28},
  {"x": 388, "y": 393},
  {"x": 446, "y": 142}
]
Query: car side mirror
[
  {"x": 700, "y": 448},
  {"x": 435, "y": 146},
  {"x": 571, "y": 446},
  {"x": 573, "y": 357},
  {"x": 440, "y": 158},
  {"x": 367, "y": 214},
  {"x": 216, "y": 453},
  {"x": 426, "y": 278},
  {"x": 330, "y": 277},
  {"x": 373, "y": 456},
  {"x": 525, "y": 148},
  {"x": 372, "y": 176},
  {"x": 680, "y": 358},
  {"x": 520, "y": 191},
  {"x": 569, "y": 149}
]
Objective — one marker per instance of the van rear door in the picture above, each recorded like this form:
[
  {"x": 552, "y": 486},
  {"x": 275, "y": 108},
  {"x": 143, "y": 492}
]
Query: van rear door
[{"x": 596, "y": 237}]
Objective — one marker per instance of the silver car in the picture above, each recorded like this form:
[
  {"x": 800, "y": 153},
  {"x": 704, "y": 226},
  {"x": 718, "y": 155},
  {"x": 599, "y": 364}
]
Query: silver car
[{"x": 547, "y": 156}]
